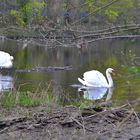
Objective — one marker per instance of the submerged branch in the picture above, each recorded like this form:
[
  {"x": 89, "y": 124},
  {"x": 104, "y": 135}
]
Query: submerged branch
[
  {"x": 106, "y": 29},
  {"x": 115, "y": 30},
  {"x": 45, "y": 69},
  {"x": 116, "y": 37}
]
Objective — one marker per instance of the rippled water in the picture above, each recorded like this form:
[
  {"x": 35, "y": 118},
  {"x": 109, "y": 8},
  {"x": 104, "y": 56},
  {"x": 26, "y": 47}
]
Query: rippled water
[{"x": 122, "y": 55}]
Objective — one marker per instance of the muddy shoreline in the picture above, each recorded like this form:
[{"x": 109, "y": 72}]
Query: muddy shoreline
[{"x": 70, "y": 123}]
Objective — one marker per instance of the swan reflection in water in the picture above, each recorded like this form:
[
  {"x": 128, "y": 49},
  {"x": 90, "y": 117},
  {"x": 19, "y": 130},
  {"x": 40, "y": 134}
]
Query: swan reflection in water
[
  {"x": 96, "y": 93},
  {"x": 6, "y": 83}
]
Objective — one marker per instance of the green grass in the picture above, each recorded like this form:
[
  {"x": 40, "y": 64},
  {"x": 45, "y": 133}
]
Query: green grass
[
  {"x": 29, "y": 99},
  {"x": 44, "y": 98},
  {"x": 26, "y": 99},
  {"x": 7, "y": 100},
  {"x": 83, "y": 103}
]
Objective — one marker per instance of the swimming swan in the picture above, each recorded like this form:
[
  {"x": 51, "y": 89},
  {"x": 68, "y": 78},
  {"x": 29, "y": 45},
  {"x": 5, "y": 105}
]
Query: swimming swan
[
  {"x": 6, "y": 60},
  {"x": 95, "y": 78}
]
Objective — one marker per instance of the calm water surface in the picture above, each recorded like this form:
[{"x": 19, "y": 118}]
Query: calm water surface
[{"x": 122, "y": 55}]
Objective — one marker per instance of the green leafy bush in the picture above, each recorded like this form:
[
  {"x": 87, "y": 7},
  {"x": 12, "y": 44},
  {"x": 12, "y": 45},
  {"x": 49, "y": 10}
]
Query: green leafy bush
[{"x": 27, "y": 12}]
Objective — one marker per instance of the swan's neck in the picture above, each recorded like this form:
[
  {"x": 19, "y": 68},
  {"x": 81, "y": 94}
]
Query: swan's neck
[{"x": 109, "y": 78}]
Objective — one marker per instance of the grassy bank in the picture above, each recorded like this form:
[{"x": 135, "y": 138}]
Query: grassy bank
[
  {"x": 46, "y": 98},
  {"x": 26, "y": 99}
]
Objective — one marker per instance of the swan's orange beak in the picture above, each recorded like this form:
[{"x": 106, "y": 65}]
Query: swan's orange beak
[{"x": 113, "y": 72}]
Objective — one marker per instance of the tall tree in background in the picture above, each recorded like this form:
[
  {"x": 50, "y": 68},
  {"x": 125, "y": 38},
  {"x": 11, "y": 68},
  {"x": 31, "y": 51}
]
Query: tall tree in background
[{"x": 27, "y": 11}]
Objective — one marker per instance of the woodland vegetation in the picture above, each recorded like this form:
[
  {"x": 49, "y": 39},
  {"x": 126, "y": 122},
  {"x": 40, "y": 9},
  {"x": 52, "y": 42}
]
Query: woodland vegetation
[{"x": 78, "y": 22}]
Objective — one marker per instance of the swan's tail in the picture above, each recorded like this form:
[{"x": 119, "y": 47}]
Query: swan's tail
[
  {"x": 85, "y": 83},
  {"x": 81, "y": 81}
]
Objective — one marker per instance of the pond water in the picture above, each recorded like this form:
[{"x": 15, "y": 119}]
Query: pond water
[{"x": 122, "y": 55}]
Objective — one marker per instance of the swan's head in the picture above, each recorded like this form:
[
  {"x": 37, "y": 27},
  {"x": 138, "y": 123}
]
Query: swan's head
[
  {"x": 110, "y": 70},
  {"x": 11, "y": 58}
]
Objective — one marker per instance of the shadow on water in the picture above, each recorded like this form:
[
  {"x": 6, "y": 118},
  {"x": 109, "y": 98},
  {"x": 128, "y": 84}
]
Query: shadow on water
[{"x": 121, "y": 55}]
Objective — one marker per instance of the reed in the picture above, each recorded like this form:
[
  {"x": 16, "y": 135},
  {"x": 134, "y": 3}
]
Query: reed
[{"x": 26, "y": 99}]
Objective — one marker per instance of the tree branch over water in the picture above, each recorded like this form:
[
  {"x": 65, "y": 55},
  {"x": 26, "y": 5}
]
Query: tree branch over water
[
  {"x": 96, "y": 10},
  {"x": 45, "y": 36}
]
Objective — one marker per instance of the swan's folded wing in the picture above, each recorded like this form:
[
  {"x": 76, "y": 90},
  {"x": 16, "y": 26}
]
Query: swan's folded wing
[
  {"x": 95, "y": 78},
  {"x": 85, "y": 83},
  {"x": 4, "y": 58}
]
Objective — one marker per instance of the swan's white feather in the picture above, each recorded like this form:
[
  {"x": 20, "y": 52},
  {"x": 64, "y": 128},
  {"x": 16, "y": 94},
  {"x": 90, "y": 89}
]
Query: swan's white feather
[
  {"x": 5, "y": 60},
  {"x": 85, "y": 83},
  {"x": 94, "y": 78}
]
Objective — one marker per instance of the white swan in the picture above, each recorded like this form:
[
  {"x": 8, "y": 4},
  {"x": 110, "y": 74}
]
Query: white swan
[
  {"x": 96, "y": 79},
  {"x": 6, "y": 61}
]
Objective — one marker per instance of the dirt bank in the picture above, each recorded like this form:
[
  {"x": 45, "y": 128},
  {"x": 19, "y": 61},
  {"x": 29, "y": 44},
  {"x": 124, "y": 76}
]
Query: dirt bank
[{"x": 70, "y": 123}]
